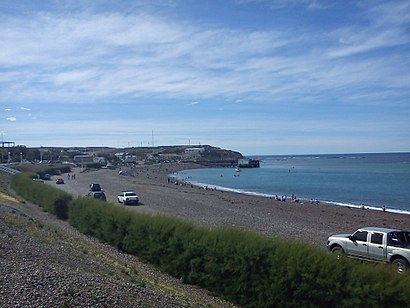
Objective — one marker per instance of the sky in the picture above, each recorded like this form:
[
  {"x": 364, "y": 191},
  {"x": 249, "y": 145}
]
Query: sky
[{"x": 254, "y": 76}]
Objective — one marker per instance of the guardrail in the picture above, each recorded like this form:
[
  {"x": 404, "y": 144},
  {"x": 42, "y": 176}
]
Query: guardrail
[{"x": 8, "y": 170}]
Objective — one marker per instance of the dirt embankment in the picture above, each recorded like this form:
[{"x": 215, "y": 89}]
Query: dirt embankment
[{"x": 44, "y": 262}]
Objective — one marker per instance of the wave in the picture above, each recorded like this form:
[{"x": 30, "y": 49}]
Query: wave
[{"x": 367, "y": 207}]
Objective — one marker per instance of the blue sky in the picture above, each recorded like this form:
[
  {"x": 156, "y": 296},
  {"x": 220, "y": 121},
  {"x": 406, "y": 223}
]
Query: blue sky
[{"x": 256, "y": 76}]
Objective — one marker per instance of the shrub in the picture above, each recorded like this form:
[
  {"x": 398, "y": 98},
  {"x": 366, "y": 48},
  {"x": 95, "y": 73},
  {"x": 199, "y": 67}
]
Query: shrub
[
  {"x": 51, "y": 199},
  {"x": 101, "y": 219}
]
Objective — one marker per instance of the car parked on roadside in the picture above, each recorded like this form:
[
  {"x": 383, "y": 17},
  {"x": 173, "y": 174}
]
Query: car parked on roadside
[
  {"x": 375, "y": 244},
  {"x": 128, "y": 197},
  {"x": 60, "y": 181},
  {"x": 97, "y": 195}
]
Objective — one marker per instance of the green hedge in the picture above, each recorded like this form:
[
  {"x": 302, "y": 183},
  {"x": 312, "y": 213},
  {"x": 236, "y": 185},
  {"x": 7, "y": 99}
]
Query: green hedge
[
  {"x": 107, "y": 222},
  {"x": 51, "y": 199},
  {"x": 246, "y": 268}
]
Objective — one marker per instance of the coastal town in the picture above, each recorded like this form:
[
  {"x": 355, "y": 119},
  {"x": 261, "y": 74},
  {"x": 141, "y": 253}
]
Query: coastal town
[{"x": 106, "y": 157}]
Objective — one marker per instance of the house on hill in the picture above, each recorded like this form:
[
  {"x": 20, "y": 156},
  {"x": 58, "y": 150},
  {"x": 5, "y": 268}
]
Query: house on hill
[{"x": 194, "y": 151}]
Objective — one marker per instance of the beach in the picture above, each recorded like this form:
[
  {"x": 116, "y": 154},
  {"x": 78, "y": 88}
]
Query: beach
[{"x": 284, "y": 219}]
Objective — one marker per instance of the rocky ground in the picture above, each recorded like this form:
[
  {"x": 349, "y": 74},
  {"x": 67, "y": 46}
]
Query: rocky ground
[
  {"x": 44, "y": 262},
  {"x": 312, "y": 223}
]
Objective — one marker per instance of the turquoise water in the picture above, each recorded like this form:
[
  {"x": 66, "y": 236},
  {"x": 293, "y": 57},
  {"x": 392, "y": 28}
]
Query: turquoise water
[{"x": 374, "y": 180}]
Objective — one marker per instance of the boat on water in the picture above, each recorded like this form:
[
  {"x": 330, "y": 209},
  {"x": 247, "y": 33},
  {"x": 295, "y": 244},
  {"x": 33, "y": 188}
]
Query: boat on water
[{"x": 237, "y": 169}]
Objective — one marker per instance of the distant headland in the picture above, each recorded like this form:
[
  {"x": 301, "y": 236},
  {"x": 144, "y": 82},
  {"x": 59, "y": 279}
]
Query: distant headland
[{"x": 205, "y": 155}]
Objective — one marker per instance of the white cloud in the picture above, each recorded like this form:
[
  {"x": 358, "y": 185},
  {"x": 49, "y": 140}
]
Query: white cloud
[
  {"x": 386, "y": 26},
  {"x": 11, "y": 119},
  {"x": 352, "y": 42},
  {"x": 394, "y": 13},
  {"x": 109, "y": 55},
  {"x": 90, "y": 57},
  {"x": 7, "y": 109},
  {"x": 278, "y": 4},
  {"x": 25, "y": 109}
]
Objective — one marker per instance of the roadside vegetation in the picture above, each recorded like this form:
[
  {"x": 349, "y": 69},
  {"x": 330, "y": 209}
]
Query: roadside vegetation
[
  {"x": 52, "y": 200},
  {"x": 246, "y": 268}
]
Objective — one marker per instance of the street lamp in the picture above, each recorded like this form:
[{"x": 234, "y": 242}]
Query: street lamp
[
  {"x": 2, "y": 147},
  {"x": 21, "y": 157}
]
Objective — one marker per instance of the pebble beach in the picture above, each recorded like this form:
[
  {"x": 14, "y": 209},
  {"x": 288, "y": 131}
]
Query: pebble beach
[{"x": 285, "y": 219}]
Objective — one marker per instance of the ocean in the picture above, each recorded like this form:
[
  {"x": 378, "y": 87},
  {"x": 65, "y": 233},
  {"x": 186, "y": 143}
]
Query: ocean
[{"x": 372, "y": 180}]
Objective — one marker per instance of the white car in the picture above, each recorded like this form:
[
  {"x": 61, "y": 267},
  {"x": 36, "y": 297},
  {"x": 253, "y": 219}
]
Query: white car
[{"x": 128, "y": 197}]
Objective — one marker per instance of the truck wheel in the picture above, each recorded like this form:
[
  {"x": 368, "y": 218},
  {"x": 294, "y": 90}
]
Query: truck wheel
[
  {"x": 337, "y": 250},
  {"x": 400, "y": 265}
]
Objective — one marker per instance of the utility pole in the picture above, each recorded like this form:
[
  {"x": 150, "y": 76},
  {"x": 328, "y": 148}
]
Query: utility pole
[
  {"x": 152, "y": 137},
  {"x": 2, "y": 147}
]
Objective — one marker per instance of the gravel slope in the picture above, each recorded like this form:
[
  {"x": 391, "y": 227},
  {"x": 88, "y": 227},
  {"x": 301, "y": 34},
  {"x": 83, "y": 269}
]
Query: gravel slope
[{"x": 44, "y": 262}]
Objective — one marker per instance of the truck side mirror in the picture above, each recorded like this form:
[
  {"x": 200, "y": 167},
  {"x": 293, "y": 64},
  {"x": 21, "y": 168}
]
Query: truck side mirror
[{"x": 351, "y": 237}]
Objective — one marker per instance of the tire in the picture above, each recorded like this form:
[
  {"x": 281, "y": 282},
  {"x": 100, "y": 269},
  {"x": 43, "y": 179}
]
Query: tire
[
  {"x": 337, "y": 250},
  {"x": 401, "y": 265}
]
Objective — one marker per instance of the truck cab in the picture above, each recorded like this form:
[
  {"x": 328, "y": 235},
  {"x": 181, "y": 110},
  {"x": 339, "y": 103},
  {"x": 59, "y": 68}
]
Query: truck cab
[{"x": 368, "y": 244}]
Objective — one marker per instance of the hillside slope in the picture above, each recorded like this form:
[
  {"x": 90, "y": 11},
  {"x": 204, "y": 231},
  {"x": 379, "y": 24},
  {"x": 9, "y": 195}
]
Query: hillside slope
[{"x": 46, "y": 262}]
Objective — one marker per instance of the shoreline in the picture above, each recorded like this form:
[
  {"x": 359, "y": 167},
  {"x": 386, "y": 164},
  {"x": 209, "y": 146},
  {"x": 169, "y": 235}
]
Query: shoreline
[
  {"x": 301, "y": 200},
  {"x": 313, "y": 223}
]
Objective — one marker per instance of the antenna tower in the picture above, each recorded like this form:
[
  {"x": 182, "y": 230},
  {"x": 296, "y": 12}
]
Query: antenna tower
[{"x": 152, "y": 137}]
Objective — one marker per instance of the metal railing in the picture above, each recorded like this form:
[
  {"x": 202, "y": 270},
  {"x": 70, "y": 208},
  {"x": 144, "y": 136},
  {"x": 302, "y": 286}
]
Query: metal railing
[{"x": 8, "y": 170}]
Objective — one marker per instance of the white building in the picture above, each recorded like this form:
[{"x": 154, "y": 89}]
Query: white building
[{"x": 194, "y": 151}]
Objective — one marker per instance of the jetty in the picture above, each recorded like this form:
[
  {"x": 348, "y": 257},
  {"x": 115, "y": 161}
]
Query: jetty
[{"x": 248, "y": 163}]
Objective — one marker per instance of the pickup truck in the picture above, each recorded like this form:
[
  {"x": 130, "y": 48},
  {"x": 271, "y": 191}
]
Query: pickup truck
[
  {"x": 375, "y": 244},
  {"x": 128, "y": 197}
]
